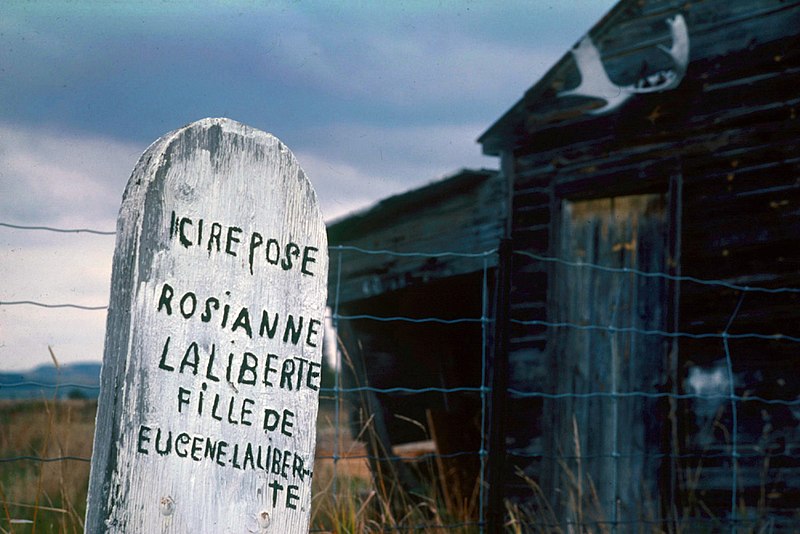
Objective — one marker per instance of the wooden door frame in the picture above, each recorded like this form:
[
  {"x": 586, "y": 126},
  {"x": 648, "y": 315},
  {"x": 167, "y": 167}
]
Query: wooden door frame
[{"x": 669, "y": 184}]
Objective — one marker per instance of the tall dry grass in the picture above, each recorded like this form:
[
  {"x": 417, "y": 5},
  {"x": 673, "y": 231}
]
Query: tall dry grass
[
  {"x": 50, "y": 497},
  {"x": 351, "y": 497},
  {"x": 44, "y": 496},
  {"x": 347, "y": 497},
  {"x": 365, "y": 505}
]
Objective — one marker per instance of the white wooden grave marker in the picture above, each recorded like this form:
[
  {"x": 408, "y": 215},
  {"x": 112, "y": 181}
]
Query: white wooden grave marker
[{"x": 212, "y": 362}]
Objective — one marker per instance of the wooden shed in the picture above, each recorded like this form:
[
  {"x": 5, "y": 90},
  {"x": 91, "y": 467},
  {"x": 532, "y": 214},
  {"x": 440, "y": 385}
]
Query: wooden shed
[
  {"x": 666, "y": 141},
  {"x": 410, "y": 282}
]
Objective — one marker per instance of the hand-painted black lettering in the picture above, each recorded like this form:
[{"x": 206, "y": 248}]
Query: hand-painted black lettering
[
  {"x": 144, "y": 437},
  {"x": 221, "y": 451},
  {"x": 183, "y": 439},
  {"x": 162, "y": 363},
  {"x": 213, "y": 239},
  {"x": 214, "y": 407},
  {"x": 166, "y": 298},
  {"x": 231, "y": 419},
  {"x": 164, "y": 448},
  {"x": 292, "y": 249},
  {"x": 229, "y": 369},
  {"x": 233, "y": 237},
  {"x": 243, "y": 321},
  {"x": 183, "y": 238},
  {"x": 238, "y": 319},
  {"x": 211, "y": 449},
  {"x": 247, "y": 371},
  {"x": 292, "y": 329},
  {"x": 269, "y": 459},
  {"x": 210, "y": 365},
  {"x": 255, "y": 241},
  {"x": 285, "y": 463},
  {"x": 308, "y": 257},
  {"x": 183, "y": 397},
  {"x": 243, "y": 417},
  {"x": 288, "y": 423},
  {"x": 202, "y": 395},
  {"x": 276, "y": 487},
  {"x": 271, "y": 419},
  {"x": 210, "y": 302},
  {"x": 273, "y": 253},
  {"x": 188, "y": 311},
  {"x": 225, "y": 311},
  {"x": 312, "y": 333},
  {"x": 191, "y": 358},
  {"x": 301, "y": 365},
  {"x": 268, "y": 369},
  {"x": 298, "y": 467},
  {"x": 312, "y": 374},
  {"x": 287, "y": 370},
  {"x": 277, "y": 456},
  {"x": 173, "y": 225},
  {"x": 261, "y": 250},
  {"x": 197, "y": 448},
  {"x": 292, "y": 495},
  {"x": 248, "y": 457},
  {"x": 235, "y": 457},
  {"x": 270, "y": 329}
]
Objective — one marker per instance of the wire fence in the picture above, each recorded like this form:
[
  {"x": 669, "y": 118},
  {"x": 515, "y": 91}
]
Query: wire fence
[{"x": 747, "y": 508}]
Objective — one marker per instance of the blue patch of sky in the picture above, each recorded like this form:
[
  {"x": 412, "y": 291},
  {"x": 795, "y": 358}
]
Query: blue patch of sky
[{"x": 134, "y": 70}]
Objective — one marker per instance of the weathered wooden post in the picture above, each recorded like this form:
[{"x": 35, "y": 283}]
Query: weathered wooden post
[{"x": 212, "y": 363}]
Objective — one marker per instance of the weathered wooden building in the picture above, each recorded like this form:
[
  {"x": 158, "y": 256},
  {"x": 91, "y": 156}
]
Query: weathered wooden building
[
  {"x": 662, "y": 149},
  {"x": 411, "y": 318},
  {"x": 666, "y": 141}
]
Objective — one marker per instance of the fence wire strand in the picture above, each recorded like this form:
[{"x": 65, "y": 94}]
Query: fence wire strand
[
  {"x": 734, "y": 415},
  {"x": 58, "y": 230},
  {"x": 485, "y": 320},
  {"x": 481, "y": 389}
]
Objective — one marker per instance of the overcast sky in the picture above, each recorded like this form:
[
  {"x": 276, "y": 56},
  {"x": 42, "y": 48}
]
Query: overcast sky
[{"x": 374, "y": 98}]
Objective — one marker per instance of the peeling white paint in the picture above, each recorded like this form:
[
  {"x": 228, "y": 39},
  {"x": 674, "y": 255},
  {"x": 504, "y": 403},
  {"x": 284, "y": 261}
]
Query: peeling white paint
[
  {"x": 712, "y": 385},
  {"x": 595, "y": 82},
  {"x": 165, "y": 366}
]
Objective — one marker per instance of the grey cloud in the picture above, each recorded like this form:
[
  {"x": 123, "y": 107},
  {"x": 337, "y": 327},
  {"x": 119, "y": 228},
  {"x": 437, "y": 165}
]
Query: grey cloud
[{"x": 50, "y": 177}]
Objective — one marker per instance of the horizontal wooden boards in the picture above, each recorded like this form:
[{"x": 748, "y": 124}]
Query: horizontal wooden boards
[
  {"x": 720, "y": 33},
  {"x": 463, "y": 214}
]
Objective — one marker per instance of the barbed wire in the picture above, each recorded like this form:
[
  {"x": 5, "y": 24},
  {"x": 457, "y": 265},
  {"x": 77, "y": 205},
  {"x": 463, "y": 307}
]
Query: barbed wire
[
  {"x": 451, "y": 455},
  {"x": 656, "y": 274},
  {"x": 351, "y": 248},
  {"x": 570, "y": 524},
  {"x": 656, "y": 455},
  {"x": 59, "y": 230},
  {"x": 395, "y": 319},
  {"x": 656, "y": 395},
  {"x": 400, "y": 458},
  {"x": 735, "y": 455},
  {"x": 46, "y": 305},
  {"x": 45, "y": 460},
  {"x": 633, "y": 330},
  {"x": 479, "y": 389},
  {"x": 488, "y": 253},
  {"x": 48, "y": 385},
  {"x": 421, "y": 526},
  {"x": 533, "y": 322}
]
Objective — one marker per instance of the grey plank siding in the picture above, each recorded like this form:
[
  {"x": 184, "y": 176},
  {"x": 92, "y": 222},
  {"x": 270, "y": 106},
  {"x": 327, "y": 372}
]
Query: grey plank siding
[
  {"x": 463, "y": 214},
  {"x": 730, "y": 137}
]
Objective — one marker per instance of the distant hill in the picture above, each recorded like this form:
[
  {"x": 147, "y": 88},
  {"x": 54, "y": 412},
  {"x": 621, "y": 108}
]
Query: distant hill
[{"x": 77, "y": 380}]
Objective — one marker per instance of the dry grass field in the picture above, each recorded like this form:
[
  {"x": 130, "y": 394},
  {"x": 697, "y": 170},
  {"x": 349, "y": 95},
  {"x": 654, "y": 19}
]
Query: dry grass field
[
  {"x": 50, "y": 497},
  {"x": 45, "y": 496}
]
